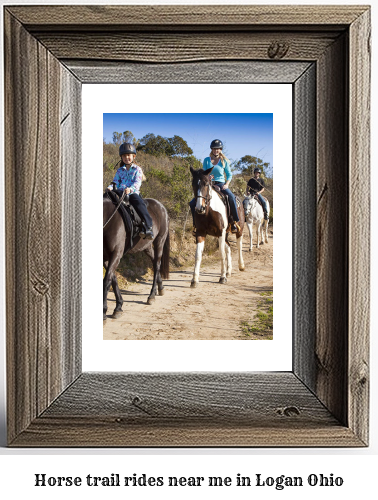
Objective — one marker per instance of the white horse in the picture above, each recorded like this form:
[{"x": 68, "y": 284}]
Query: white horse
[{"x": 254, "y": 215}]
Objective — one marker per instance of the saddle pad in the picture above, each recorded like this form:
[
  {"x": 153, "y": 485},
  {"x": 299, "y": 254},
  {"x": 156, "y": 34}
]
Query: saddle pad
[
  {"x": 222, "y": 196},
  {"x": 130, "y": 218}
]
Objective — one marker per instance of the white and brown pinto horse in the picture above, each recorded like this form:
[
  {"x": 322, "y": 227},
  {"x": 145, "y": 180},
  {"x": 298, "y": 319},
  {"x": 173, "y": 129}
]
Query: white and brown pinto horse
[
  {"x": 211, "y": 219},
  {"x": 254, "y": 215}
]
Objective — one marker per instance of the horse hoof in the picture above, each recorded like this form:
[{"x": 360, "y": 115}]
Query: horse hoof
[
  {"x": 222, "y": 280},
  {"x": 150, "y": 300},
  {"x": 161, "y": 292},
  {"x": 117, "y": 314},
  {"x": 194, "y": 284},
  {"x": 250, "y": 250}
]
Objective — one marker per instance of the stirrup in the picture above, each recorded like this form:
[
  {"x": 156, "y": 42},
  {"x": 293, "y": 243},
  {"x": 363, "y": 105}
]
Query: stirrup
[
  {"x": 234, "y": 227},
  {"x": 149, "y": 234}
]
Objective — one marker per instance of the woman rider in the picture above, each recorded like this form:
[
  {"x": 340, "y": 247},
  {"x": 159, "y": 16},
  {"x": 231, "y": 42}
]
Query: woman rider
[
  {"x": 129, "y": 178},
  {"x": 221, "y": 176}
]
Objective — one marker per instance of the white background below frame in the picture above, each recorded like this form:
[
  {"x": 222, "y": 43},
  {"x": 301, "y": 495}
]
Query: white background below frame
[{"x": 191, "y": 355}]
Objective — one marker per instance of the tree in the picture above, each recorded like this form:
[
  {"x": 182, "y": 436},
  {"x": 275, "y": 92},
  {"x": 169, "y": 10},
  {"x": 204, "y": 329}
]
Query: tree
[
  {"x": 169, "y": 146},
  {"x": 248, "y": 163},
  {"x": 117, "y": 138},
  {"x": 128, "y": 136},
  {"x": 180, "y": 146},
  {"x": 155, "y": 145}
]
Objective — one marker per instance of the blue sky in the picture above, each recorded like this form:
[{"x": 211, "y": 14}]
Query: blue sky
[{"x": 242, "y": 133}]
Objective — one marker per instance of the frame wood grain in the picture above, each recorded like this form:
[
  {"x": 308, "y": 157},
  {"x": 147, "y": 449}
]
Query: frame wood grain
[{"x": 50, "y": 51}]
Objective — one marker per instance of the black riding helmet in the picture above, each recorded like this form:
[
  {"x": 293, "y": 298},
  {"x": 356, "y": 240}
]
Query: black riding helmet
[
  {"x": 216, "y": 144},
  {"x": 257, "y": 170},
  {"x": 127, "y": 148}
]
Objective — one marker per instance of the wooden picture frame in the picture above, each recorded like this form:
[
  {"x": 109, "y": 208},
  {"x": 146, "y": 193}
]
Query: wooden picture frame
[{"x": 324, "y": 52}]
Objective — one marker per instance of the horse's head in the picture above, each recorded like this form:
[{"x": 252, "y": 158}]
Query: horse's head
[
  {"x": 201, "y": 184},
  {"x": 248, "y": 204}
]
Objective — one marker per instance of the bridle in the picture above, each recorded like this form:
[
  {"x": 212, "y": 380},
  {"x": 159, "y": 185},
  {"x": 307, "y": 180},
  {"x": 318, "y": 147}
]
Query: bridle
[
  {"x": 206, "y": 198},
  {"x": 251, "y": 203}
]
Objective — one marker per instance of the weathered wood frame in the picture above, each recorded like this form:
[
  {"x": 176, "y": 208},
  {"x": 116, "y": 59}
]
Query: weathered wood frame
[{"x": 49, "y": 52}]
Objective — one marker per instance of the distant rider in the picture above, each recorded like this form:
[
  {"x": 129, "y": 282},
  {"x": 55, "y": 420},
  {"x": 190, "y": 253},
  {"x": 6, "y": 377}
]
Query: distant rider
[
  {"x": 129, "y": 178},
  {"x": 256, "y": 185}
]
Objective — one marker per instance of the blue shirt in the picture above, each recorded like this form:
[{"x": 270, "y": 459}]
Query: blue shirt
[
  {"x": 129, "y": 178},
  {"x": 220, "y": 173}
]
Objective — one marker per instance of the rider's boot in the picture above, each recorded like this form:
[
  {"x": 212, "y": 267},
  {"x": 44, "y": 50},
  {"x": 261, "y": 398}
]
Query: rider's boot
[
  {"x": 149, "y": 235},
  {"x": 146, "y": 232}
]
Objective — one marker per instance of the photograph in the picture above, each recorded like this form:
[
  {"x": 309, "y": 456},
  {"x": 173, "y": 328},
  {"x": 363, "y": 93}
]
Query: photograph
[
  {"x": 188, "y": 226},
  {"x": 182, "y": 260}
]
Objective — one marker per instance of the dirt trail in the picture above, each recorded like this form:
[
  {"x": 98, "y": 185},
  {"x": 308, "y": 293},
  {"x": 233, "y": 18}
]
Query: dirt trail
[{"x": 209, "y": 312}]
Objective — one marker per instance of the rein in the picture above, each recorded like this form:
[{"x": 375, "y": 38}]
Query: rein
[{"x": 119, "y": 204}]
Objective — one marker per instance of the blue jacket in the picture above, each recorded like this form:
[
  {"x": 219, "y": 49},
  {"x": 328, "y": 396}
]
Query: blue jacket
[{"x": 220, "y": 173}]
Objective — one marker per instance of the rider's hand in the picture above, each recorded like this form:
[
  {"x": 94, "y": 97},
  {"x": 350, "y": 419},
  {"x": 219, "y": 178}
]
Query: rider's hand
[{"x": 128, "y": 190}]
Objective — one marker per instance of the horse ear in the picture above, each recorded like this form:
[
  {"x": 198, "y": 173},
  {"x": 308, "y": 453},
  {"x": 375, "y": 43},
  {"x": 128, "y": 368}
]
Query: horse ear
[
  {"x": 208, "y": 171},
  {"x": 191, "y": 169}
]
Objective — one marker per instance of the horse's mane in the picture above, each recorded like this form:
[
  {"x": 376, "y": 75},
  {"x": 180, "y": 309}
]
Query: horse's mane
[{"x": 201, "y": 172}]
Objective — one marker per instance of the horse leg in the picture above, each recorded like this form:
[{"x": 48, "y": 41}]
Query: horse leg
[
  {"x": 152, "y": 295},
  {"x": 106, "y": 285},
  {"x": 228, "y": 257},
  {"x": 266, "y": 231},
  {"x": 197, "y": 265},
  {"x": 250, "y": 229},
  {"x": 222, "y": 245},
  {"x": 239, "y": 242},
  {"x": 258, "y": 230},
  {"x": 119, "y": 300},
  {"x": 160, "y": 285},
  {"x": 108, "y": 279},
  {"x": 159, "y": 280},
  {"x": 156, "y": 260}
]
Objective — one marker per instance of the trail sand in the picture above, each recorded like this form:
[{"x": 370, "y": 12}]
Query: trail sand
[{"x": 209, "y": 312}]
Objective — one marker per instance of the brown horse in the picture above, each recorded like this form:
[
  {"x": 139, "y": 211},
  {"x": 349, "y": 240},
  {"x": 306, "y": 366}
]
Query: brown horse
[
  {"x": 211, "y": 219},
  {"x": 114, "y": 239}
]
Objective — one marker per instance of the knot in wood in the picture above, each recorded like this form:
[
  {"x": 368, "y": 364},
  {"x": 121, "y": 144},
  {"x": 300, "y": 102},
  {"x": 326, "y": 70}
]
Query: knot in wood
[
  {"x": 136, "y": 400},
  {"x": 41, "y": 287},
  {"x": 278, "y": 50},
  {"x": 288, "y": 411}
]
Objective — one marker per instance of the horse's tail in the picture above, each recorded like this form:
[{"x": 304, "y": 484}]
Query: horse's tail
[{"x": 164, "y": 267}]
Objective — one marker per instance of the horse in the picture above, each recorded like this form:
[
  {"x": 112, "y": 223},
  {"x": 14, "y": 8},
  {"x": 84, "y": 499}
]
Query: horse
[
  {"x": 211, "y": 219},
  {"x": 115, "y": 238},
  {"x": 254, "y": 214}
]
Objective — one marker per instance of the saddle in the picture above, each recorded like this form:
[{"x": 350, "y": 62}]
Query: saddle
[
  {"x": 258, "y": 199},
  {"x": 133, "y": 223},
  {"x": 224, "y": 197}
]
